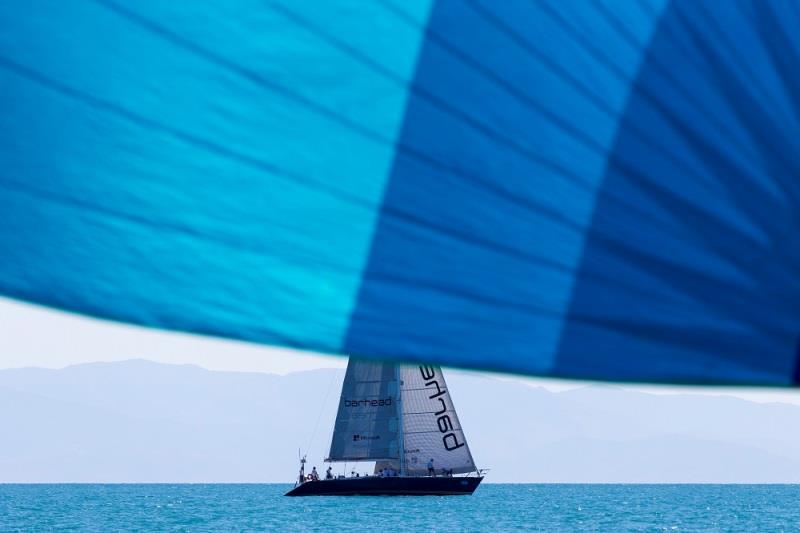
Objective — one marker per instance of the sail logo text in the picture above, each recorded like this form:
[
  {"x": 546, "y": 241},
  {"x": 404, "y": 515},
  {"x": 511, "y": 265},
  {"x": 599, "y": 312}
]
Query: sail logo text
[
  {"x": 357, "y": 438},
  {"x": 444, "y": 422},
  {"x": 368, "y": 403}
]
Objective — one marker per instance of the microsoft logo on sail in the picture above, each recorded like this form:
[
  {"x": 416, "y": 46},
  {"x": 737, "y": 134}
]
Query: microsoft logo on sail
[{"x": 357, "y": 438}]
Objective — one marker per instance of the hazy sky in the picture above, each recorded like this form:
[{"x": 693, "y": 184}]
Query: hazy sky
[{"x": 37, "y": 336}]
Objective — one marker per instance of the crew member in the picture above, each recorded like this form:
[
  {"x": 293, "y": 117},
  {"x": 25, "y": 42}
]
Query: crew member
[
  {"x": 314, "y": 474},
  {"x": 328, "y": 473},
  {"x": 431, "y": 471}
]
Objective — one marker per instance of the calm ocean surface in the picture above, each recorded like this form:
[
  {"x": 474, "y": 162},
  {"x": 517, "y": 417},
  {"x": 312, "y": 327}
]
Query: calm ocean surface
[{"x": 492, "y": 508}]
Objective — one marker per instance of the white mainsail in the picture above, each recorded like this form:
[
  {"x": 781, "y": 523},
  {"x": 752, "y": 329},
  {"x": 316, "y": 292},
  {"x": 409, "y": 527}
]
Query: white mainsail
[{"x": 368, "y": 424}]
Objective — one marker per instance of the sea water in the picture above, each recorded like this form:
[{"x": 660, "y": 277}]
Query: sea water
[{"x": 492, "y": 508}]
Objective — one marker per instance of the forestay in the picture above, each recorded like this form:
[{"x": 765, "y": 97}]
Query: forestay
[{"x": 367, "y": 423}]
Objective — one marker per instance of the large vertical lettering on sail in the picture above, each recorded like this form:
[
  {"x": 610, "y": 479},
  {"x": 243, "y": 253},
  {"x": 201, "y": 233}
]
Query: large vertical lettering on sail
[{"x": 431, "y": 429}]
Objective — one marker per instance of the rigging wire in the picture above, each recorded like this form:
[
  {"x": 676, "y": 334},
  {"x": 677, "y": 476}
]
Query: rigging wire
[{"x": 322, "y": 408}]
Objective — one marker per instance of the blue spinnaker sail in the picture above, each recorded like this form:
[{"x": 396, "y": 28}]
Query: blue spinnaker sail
[{"x": 602, "y": 190}]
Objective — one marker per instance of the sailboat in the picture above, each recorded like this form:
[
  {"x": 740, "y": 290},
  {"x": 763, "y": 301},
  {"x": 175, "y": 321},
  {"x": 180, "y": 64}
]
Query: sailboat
[{"x": 402, "y": 418}]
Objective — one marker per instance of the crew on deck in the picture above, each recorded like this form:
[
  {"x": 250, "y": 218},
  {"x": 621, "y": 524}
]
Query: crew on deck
[
  {"x": 431, "y": 471},
  {"x": 314, "y": 474},
  {"x": 387, "y": 472},
  {"x": 329, "y": 473}
]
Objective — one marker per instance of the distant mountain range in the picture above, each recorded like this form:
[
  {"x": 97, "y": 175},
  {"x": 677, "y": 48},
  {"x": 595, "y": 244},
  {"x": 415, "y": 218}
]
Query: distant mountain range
[{"x": 138, "y": 421}]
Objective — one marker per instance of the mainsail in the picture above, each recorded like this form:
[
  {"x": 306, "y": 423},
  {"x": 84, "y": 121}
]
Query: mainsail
[{"x": 367, "y": 425}]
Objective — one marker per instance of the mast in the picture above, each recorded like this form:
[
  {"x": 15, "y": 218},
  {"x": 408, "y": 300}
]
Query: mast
[{"x": 400, "y": 426}]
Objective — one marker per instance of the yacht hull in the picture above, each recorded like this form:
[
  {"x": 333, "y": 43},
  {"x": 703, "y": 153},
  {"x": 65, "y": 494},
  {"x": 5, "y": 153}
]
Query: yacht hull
[{"x": 388, "y": 486}]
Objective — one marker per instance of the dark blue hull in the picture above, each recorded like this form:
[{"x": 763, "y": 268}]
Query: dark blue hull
[{"x": 388, "y": 486}]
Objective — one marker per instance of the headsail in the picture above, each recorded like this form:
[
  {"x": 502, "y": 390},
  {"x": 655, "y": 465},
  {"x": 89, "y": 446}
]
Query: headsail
[
  {"x": 368, "y": 420},
  {"x": 431, "y": 429}
]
